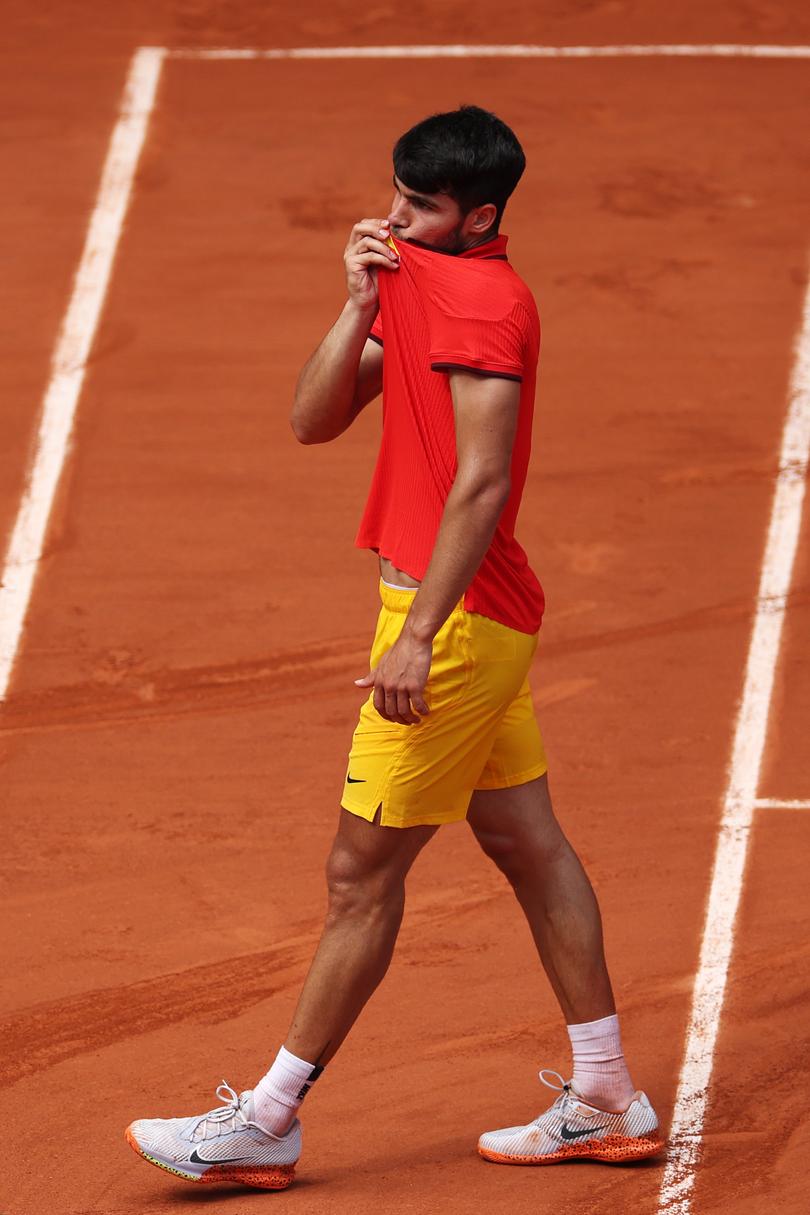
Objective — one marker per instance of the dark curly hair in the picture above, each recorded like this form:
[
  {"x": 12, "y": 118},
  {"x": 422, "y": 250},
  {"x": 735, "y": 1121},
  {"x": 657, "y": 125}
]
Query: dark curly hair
[{"x": 469, "y": 154}]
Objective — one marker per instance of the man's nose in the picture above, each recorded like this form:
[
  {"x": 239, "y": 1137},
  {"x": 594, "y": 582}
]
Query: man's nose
[{"x": 396, "y": 217}]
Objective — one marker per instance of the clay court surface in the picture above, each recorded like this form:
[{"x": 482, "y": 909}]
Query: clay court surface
[{"x": 174, "y": 737}]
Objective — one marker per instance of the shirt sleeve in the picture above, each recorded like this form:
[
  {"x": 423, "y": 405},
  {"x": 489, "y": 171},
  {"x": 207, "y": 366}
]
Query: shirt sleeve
[
  {"x": 376, "y": 333},
  {"x": 491, "y": 345}
]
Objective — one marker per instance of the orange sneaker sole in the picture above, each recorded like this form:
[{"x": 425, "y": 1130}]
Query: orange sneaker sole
[
  {"x": 261, "y": 1177},
  {"x": 613, "y": 1149}
]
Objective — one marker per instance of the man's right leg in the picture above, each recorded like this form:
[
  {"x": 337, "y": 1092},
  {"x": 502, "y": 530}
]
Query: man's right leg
[
  {"x": 365, "y": 876},
  {"x": 254, "y": 1137}
]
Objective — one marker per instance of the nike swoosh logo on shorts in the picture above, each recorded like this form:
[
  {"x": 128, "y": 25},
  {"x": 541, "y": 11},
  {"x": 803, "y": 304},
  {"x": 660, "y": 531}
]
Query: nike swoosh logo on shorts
[
  {"x": 355, "y": 780},
  {"x": 590, "y": 1130},
  {"x": 196, "y": 1159}
]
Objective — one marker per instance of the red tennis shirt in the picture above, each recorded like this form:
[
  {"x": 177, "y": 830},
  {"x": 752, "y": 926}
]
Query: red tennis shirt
[{"x": 439, "y": 311}]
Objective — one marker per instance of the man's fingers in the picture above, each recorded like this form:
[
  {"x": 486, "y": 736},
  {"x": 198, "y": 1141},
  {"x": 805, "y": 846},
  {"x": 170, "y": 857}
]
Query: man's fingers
[
  {"x": 395, "y": 701},
  {"x": 394, "y": 704},
  {"x": 406, "y": 713},
  {"x": 387, "y": 707},
  {"x": 361, "y": 261},
  {"x": 370, "y": 225},
  {"x": 391, "y": 708},
  {"x": 371, "y": 231},
  {"x": 370, "y": 244}
]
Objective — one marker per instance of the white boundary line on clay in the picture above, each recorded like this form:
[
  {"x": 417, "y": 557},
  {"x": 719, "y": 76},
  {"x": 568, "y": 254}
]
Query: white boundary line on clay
[
  {"x": 515, "y": 51},
  {"x": 741, "y": 792},
  {"x": 59, "y": 406},
  {"x": 775, "y": 803},
  {"x": 72, "y": 349}
]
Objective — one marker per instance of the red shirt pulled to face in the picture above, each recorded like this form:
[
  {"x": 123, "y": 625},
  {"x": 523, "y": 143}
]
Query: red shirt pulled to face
[{"x": 441, "y": 311}]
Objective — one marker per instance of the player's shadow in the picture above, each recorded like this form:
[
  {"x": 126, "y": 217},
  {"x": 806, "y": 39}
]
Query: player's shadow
[{"x": 201, "y": 1195}]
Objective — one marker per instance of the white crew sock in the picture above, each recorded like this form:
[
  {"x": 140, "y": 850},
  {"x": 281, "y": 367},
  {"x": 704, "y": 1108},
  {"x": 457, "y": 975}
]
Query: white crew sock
[
  {"x": 600, "y": 1072},
  {"x": 278, "y": 1094}
]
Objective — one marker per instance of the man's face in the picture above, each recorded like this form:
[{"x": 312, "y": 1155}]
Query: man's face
[{"x": 434, "y": 219}]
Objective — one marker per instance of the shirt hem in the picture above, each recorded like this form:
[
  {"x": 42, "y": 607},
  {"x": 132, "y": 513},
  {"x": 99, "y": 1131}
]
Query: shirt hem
[{"x": 449, "y": 363}]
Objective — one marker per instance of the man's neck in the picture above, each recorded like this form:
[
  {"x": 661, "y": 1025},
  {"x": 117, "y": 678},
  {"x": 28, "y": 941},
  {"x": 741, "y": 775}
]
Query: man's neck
[{"x": 485, "y": 240}]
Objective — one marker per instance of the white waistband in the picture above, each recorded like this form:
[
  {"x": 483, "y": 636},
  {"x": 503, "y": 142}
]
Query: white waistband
[{"x": 394, "y": 586}]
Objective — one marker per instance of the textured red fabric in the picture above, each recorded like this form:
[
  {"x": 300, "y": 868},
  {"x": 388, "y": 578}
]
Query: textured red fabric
[{"x": 440, "y": 311}]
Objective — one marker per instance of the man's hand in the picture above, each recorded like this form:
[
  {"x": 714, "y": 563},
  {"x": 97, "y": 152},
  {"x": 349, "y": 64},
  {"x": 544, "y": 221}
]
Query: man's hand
[
  {"x": 364, "y": 254},
  {"x": 399, "y": 680}
]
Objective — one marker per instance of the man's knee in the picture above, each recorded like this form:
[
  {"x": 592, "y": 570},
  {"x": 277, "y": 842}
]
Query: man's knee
[
  {"x": 368, "y": 863},
  {"x": 502, "y": 848},
  {"x": 521, "y": 855},
  {"x": 357, "y": 881}
]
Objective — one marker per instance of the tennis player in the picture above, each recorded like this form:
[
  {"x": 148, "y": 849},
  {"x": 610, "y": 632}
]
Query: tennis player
[{"x": 438, "y": 320}]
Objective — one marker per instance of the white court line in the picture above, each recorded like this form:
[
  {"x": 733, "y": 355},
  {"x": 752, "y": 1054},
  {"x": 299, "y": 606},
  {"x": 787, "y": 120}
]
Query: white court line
[
  {"x": 774, "y": 803},
  {"x": 71, "y": 352},
  {"x": 741, "y": 793},
  {"x": 514, "y": 51}
]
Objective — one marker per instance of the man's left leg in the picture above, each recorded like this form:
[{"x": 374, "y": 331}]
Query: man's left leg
[
  {"x": 599, "y": 1114},
  {"x": 518, "y": 830}
]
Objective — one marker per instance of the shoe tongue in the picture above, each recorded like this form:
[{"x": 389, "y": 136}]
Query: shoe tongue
[{"x": 209, "y": 1128}]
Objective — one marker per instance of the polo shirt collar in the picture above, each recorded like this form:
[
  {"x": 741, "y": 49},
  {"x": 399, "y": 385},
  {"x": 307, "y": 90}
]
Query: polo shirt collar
[
  {"x": 495, "y": 248},
  {"x": 491, "y": 248}
]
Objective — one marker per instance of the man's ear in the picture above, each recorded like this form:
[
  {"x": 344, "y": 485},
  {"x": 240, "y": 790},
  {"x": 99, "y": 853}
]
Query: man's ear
[{"x": 482, "y": 218}]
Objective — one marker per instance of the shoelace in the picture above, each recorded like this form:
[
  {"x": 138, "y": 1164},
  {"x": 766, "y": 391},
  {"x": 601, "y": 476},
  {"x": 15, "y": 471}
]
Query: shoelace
[
  {"x": 566, "y": 1097},
  {"x": 563, "y": 1088},
  {"x": 230, "y": 1111}
]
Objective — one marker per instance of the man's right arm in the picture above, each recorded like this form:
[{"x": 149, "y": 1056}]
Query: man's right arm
[
  {"x": 340, "y": 378},
  {"x": 345, "y": 372}
]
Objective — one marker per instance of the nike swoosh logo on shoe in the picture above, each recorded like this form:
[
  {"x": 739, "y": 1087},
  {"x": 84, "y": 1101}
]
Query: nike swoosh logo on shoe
[
  {"x": 565, "y": 1133},
  {"x": 355, "y": 780},
  {"x": 195, "y": 1158}
]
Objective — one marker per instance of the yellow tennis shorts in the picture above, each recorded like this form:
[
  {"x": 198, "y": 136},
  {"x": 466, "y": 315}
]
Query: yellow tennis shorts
[{"x": 481, "y": 732}]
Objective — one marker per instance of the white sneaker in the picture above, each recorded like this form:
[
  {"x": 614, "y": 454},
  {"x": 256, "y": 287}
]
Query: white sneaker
[
  {"x": 225, "y": 1144},
  {"x": 572, "y": 1129}
]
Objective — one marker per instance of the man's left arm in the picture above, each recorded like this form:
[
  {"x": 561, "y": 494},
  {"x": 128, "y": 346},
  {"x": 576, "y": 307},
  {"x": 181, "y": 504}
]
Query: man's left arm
[{"x": 486, "y": 413}]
